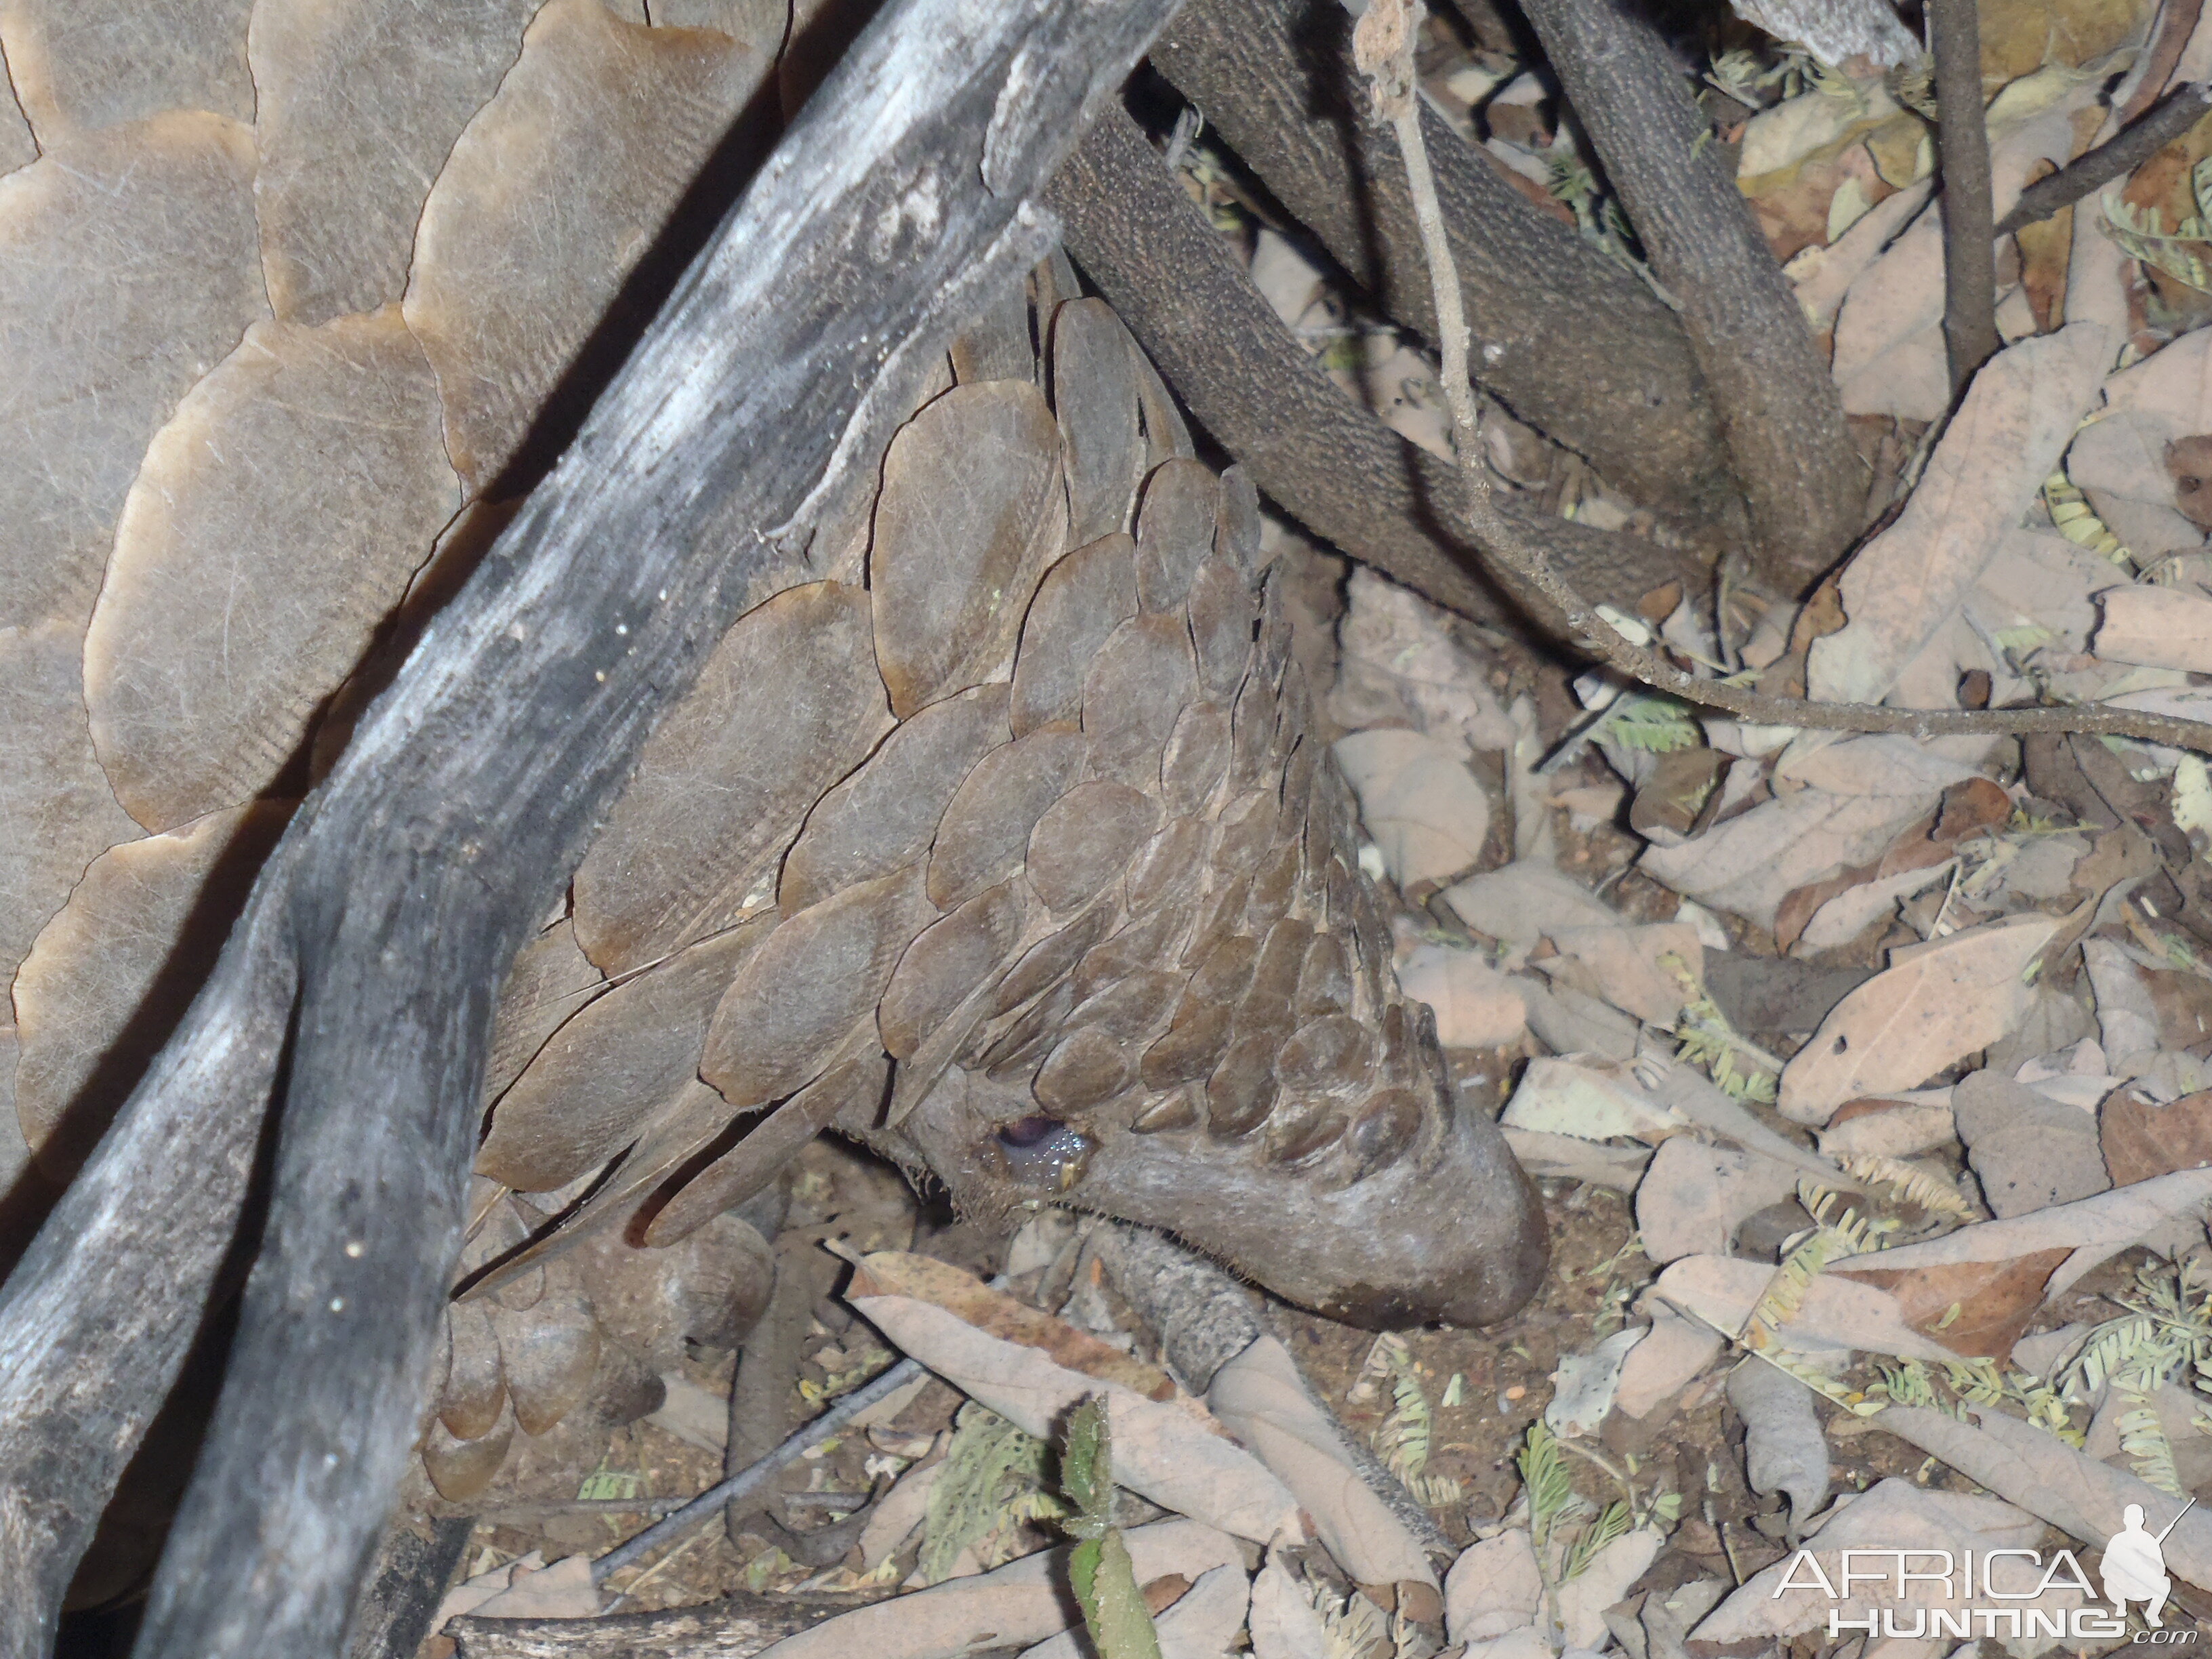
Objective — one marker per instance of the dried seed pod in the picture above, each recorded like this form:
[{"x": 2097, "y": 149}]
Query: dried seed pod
[{"x": 972, "y": 512}]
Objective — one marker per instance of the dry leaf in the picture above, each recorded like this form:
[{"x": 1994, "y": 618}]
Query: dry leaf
[
  {"x": 1695, "y": 1196},
  {"x": 2141, "y": 1139},
  {"x": 1627, "y": 966},
  {"x": 1259, "y": 1397},
  {"x": 1936, "y": 1003},
  {"x": 2166, "y": 397},
  {"x": 1977, "y": 1308},
  {"x": 1903, "y": 586},
  {"x": 1674, "y": 1350},
  {"x": 1836, "y": 1315},
  {"x": 967, "y": 1298},
  {"x": 1524, "y": 901},
  {"x": 1493, "y": 1587},
  {"x": 1475, "y": 1006},
  {"x": 1584, "y": 1384},
  {"x": 563, "y": 1590},
  {"x": 2028, "y": 1151},
  {"x": 1783, "y": 1448},
  {"x": 1283, "y": 1622},
  {"x": 1018, "y": 1606},
  {"x": 1562, "y": 1097},
  {"x": 2156, "y": 627},
  {"x": 1550, "y": 1157},
  {"x": 1895, "y": 1514},
  {"x": 2035, "y": 1469},
  {"x": 1888, "y": 1129},
  {"x": 1421, "y": 805},
  {"x": 1160, "y": 1451},
  {"x": 2093, "y": 1229}
]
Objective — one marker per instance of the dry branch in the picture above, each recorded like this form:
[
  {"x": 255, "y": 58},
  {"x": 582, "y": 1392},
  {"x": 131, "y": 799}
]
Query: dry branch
[
  {"x": 2182, "y": 109},
  {"x": 1969, "y": 269},
  {"x": 1777, "y": 405},
  {"x": 897, "y": 204},
  {"x": 1572, "y": 341}
]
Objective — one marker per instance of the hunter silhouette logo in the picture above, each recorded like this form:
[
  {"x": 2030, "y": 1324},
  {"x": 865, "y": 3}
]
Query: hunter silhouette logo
[{"x": 2133, "y": 1568}]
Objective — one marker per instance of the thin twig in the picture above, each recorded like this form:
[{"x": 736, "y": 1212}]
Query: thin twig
[
  {"x": 1383, "y": 44},
  {"x": 1969, "y": 276},
  {"x": 750, "y": 1480},
  {"x": 2182, "y": 109}
]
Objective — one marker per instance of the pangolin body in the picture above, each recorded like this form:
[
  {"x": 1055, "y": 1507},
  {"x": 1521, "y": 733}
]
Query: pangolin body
[{"x": 1001, "y": 845}]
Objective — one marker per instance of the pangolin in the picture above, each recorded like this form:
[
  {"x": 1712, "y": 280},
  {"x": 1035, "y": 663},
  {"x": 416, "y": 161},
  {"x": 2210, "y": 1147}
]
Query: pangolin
[{"x": 1001, "y": 845}]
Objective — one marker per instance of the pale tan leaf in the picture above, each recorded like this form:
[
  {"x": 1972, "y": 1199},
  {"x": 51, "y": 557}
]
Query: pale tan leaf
[
  {"x": 1695, "y": 1196},
  {"x": 1283, "y": 1622},
  {"x": 1937, "y": 1003},
  {"x": 563, "y": 1590},
  {"x": 2157, "y": 627},
  {"x": 612, "y": 119},
  {"x": 1259, "y": 1397},
  {"x": 1584, "y": 1598},
  {"x": 1418, "y": 801},
  {"x": 1672, "y": 1353},
  {"x": 1494, "y": 1587},
  {"x": 2166, "y": 397},
  {"x": 128, "y": 268},
  {"x": 1627, "y": 966},
  {"x": 1475, "y": 1006},
  {"x": 1160, "y": 1451},
  {"x": 1837, "y": 1313},
  {"x": 357, "y": 104}
]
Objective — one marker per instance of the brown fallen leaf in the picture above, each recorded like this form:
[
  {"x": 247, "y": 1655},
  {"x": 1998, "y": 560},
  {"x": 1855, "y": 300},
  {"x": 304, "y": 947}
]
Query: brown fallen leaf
[
  {"x": 2141, "y": 1139},
  {"x": 1977, "y": 1309},
  {"x": 1935, "y": 1003},
  {"x": 1968, "y": 807},
  {"x": 967, "y": 1298}
]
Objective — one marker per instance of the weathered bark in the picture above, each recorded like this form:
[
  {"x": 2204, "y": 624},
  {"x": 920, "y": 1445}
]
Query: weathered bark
[
  {"x": 410, "y": 1581},
  {"x": 897, "y": 204},
  {"x": 1327, "y": 462},
  {"x": 1573, "y": 342},
  {"x": 1779, "y": 409}
]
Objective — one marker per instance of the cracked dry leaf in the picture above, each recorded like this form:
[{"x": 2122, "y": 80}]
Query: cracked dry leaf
[
  {"x": 114, "y": 972},
  {"x": 972, "y": 512},
  {"x": 1936, "y": 1003},
  {"x": 1494, "y": 1587},
  {"x": 275, "y": 522},
  {"x": 788, "y": 703},
  {"x": 611, "y": 120},
  {"x": 59, "y": 810},
  {"x": 614, "y": 1067},
  {"x": 1284, "y": 1624},
  {"x": 359, "y": 102},
  {"x": 2028, "y": 1151},
  {"x": 78, "y": 65},
  {"x": 128, "y": 268}
]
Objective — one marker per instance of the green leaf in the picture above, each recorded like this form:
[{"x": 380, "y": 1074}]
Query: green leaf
[
  {"x": 1105, "y": 1582},
  {"x": 1086, "y": 1468}
]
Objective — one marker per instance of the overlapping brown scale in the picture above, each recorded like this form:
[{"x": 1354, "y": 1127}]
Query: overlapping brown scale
[
  {"x": 1166, "y": 436},
  {"x": 1175, "y": 532},
  {"x": 1305, "y": 1137},
  {"x": 1085, "y": 1068},
  {"x": 57, "y": 813},
  {"x": 1008, "y": 1047},
  {"x": 1222, "y": 613},
  {"x": 1197, "y": 753},
  {"x": 549, "y": 1353},
  {"x": 1192, "y": 1048},
  {"x": 972, "y": 511},
  {"x": 1384, "y": 1129},
  {"x": 357, "y": 106},
  {"x": 1225, "y": 972},
  {"x": 1266, "y": 1004},
  {"x": 1273, "y": 883},
  {"x": 78, "y": 65},
  {"x": 997, "y": 345},
  {"x": 1247, "y": 831},
  {"x": 611, "y": 1070},
  {"x": 1134, "y": 692},
  {"x": 1325, "y": 980},
  {"x": 850, "y": 1091},
  {"x": 275, "y": 522},
  {"x": 110, "y": 975},
  {"x": 787, "y": 703},
  {"x": 475, "y": 1391},
  {"x": 1148, "y": 942},
  {"x": 984, "y": 835},
  {"x": 884, "y": 816},
  {"x": 462, "y": 1469},
  {"x": 1333, "y": 1052},
  {"x": 1133, "y": 1009},
  {"x": 550, "y": 980},
  {"x": 1252, "y": 738},
  {"x": 1178, "y": 1110},
  {"x": 1170, "y": 867},
  {"x": 18, "y": 146},
  {"x": 709, "y": 1287},
  {"x": 1220, "y": 915},
  {"x": 1094, "y": 393},
  {"x": 612, "y": 119},
  {"x": 1086, "y": 840},
  {"x": 1052, "y": 958},
  {"x": 129, "y": 267},
  {"x": 1236, "y": 530},
  {"x": 1241, "y": 1090},
  {"x": 820, "y": 974},
  {"x": 1081, "y": 600},
  {"x": 944, "y": 966}
]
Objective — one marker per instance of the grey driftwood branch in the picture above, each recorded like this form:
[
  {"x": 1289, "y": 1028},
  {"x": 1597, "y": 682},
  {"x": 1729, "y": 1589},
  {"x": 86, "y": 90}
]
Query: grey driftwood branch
[
  {"x": 369, "y": 956},
  {"x": 1322, "y": 458},
  {"x": 1572, "y": 341},
  {"x": 1779, "y": 407}
]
